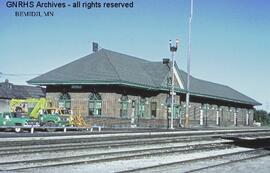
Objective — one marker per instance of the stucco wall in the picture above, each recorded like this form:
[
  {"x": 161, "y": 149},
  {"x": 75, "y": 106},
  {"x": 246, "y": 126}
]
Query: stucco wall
[
  {"x": 214, "y": 115},
  {"x": 4, "y": 105}
]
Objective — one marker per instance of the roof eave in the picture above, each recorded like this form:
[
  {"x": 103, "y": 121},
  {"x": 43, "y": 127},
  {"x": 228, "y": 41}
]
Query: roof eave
[
  {"x": 225, "y": 99},
  {"x": 148, "y": 87},
  {"x": 96, "y": 83}
]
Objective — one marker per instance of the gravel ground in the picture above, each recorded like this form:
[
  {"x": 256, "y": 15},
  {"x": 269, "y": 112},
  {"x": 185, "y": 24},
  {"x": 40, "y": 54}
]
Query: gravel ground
[
  {"x": 180, "y": 139},
  {"x": 259, "y": 165},
  {"x": 99, "y": 150},
  {"x": 139, "y": 162}
]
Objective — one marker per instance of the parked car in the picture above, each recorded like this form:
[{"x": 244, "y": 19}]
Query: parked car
[{"x": 17, "y": 120}]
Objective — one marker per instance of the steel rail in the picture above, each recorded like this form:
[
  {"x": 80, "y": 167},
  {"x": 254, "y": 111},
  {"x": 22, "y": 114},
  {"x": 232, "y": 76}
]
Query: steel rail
[
  {"x": 93, "y": 142},
  {"x": 93, "y": 158},
  {"x": 140, "y": 133},
  {"x": 77, "y": 140},
  {"x": 88, "y": 145},
  {"x": 229, "y": 162},
  {"x": 192, "y": 161},
  {"x": 96, "y": 137},
  {"x": 4, "y": 152}
]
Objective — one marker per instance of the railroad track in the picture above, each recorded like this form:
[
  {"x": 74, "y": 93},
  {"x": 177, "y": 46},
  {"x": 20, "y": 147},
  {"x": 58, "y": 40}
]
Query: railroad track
[
  {"x": 107, "y": 156},
  {"x": 98, "y": 149},
  {"x": 147, "y": 135},
  {"x": 199, "y": 164},
  {"x": 117, "y": 142},
  {"x": 95, "y": 145},
  {"x": 115, "y": 131}
]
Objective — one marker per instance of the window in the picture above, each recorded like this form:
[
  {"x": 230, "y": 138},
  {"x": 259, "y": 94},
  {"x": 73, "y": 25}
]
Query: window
[
  {"x": 153, "y": 109},
  {"x": 95, "y": 104},
  {"x": 64, "y": 101},
  {"x": 176, "y": 111},
  {"x": 124, "y": 106},
  {"x": 141, "y": 107}
]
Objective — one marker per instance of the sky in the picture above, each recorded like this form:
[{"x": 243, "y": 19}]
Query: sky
[{"x": 230, "y": 39}]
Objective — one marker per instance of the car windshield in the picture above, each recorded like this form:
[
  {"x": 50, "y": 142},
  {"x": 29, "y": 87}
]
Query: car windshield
[{"x": 16, "y": 115}]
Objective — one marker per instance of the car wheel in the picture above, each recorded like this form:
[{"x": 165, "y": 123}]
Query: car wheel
[{"x": 50, "y": 125}]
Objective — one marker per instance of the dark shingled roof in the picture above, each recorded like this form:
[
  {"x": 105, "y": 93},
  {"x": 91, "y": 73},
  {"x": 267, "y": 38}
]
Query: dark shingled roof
[
  {"x": 10, "y": 91},
  {"x": 3, "y": 93},
  {"x": 213, "y": 90},
  {"x": 108, "y": 67}
]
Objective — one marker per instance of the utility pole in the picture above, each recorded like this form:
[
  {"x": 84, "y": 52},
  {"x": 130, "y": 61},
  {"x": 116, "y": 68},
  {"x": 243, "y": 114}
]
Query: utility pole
[
  {"x": 188, "y": 66},
  {"x": 173, "y": 49}
]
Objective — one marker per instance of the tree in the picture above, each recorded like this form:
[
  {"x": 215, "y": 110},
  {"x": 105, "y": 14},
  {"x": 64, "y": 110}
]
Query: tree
[{"x": 262, "y": 116}]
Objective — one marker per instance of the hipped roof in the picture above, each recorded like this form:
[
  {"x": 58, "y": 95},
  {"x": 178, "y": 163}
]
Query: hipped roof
[{"x": 108, "y": 67}]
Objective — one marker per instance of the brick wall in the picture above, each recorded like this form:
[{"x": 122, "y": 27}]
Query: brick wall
[{"x": 111, "y": 111}]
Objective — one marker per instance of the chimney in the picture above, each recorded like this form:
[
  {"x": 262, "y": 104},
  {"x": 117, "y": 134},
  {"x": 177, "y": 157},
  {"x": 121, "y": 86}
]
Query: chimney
[
  {"x": 7, "y": 85},
  {"x": 165, "y": 60},
  {"x": 95, "y": 47}
]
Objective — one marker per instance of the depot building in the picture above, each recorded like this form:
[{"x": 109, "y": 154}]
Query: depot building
[{"x": 112, "y": 89}]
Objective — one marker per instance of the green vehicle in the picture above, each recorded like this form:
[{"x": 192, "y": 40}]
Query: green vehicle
[
  {"x": 36, "y": 109},
  {"x": 51, "y": 120},
  {"x": 53, "y": 117},
  {"x": 10, "y": 119}
]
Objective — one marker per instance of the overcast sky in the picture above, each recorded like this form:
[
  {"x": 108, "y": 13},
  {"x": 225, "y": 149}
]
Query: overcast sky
[{"x": 230, "y": 39}]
